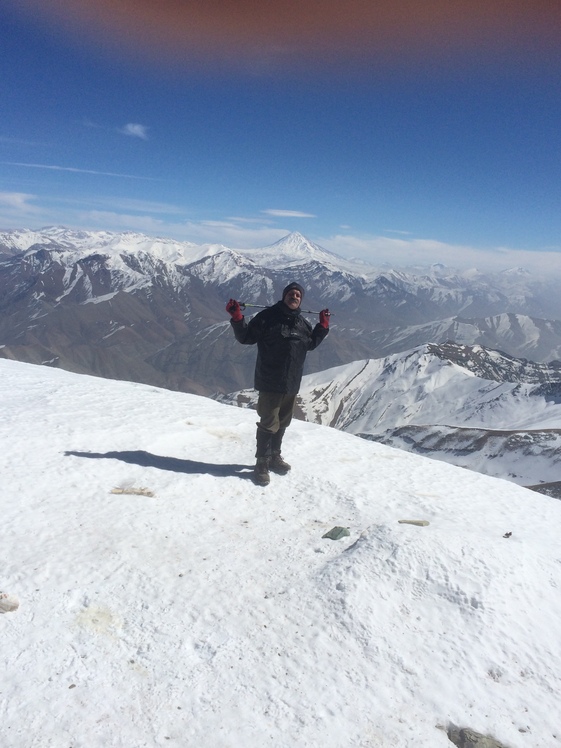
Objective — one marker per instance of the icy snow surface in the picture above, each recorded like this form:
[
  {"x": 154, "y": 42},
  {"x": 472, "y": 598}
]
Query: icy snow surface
[{"x": 164, "y": 600}]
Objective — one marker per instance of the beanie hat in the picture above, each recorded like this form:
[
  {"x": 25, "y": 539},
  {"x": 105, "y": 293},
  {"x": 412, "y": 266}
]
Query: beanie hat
[{"x": 292, "y": 285}]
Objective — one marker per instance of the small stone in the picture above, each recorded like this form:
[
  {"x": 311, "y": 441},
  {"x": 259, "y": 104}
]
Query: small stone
[{"x": 336, "y": 533}]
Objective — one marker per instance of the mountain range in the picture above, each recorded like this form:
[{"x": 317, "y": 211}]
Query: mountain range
[{"x": 133, "y": 307}]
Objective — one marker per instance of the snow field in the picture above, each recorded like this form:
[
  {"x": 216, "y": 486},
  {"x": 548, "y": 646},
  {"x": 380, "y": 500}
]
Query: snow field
[{"x": 214, "y": 614}]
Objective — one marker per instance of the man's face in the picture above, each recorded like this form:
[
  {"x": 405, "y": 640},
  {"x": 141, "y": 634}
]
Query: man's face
[{"x": 293, "y": 298}]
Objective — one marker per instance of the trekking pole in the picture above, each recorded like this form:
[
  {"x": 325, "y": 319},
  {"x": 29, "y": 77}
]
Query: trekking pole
[{"x": 243, "y": 305}]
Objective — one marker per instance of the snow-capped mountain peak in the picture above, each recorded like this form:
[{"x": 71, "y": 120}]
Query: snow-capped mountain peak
[{"x": 293, "y": 250}]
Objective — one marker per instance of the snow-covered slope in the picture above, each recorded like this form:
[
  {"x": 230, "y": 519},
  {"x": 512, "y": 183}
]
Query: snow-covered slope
[
  {"x": 530, "y": 457},
  {"x": 164, "y": 600},
  {"x": 421, "y": 388}
]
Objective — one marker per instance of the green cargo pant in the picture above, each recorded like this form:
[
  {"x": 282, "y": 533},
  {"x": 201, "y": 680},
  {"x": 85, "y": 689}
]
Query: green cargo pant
[{"x": 275, "y": 410}]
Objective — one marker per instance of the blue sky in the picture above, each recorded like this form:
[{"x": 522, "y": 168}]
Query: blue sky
[{"x": 430, "y": 140}]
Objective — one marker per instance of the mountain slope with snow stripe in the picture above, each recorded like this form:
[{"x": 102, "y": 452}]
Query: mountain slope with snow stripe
[
  {"x": 213, "y": 612},
  {"x": 419, "y": 389},
  {"x": 466, "y": 405}
]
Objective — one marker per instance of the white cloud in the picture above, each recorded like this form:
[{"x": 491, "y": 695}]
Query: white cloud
[
  {"x": 200, "y": 232},
  {"x": 240, "y": 219},
  {"x": 18, "y": 141},
  {"x": 135, "y": 130},
  {"x": 240, "y": 233},
  {"x": 112, "y": 221},
  {"x": 376, "y": 250},
  {"x": 132, "y": 129},
  {"x": 75, "y": 170},
  {"x": 17, "y": 210},
  {"x": 232, "y": 234},
  {"x": 132, "y": 204},
  {"x": 18, "y": 201},
  {"x": 287, "y": 213},
  {"x": 379, "y": 250}
]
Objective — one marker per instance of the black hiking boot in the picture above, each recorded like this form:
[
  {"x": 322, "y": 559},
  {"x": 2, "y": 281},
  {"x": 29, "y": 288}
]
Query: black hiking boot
[
  {"x": 261, "y": 472},
  {"x": 278, "y": 465}
]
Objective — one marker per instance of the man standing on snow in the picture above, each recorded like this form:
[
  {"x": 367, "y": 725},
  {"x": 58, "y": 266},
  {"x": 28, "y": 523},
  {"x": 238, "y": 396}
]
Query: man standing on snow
[{"x": 283, "y": 338}]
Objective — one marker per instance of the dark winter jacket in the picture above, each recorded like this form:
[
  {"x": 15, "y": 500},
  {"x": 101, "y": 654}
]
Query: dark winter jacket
[{"x": 283, "y": 338}]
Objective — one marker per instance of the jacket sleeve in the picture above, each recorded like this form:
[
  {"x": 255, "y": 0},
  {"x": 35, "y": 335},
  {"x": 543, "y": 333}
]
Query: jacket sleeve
[
  {"x": 319, "y": 333},
  {"x": 247, "y": 333}
]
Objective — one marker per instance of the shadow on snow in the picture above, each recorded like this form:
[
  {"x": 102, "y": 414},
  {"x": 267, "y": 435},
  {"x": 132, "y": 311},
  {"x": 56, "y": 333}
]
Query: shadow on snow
[{"x": 191, "y": 467}]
